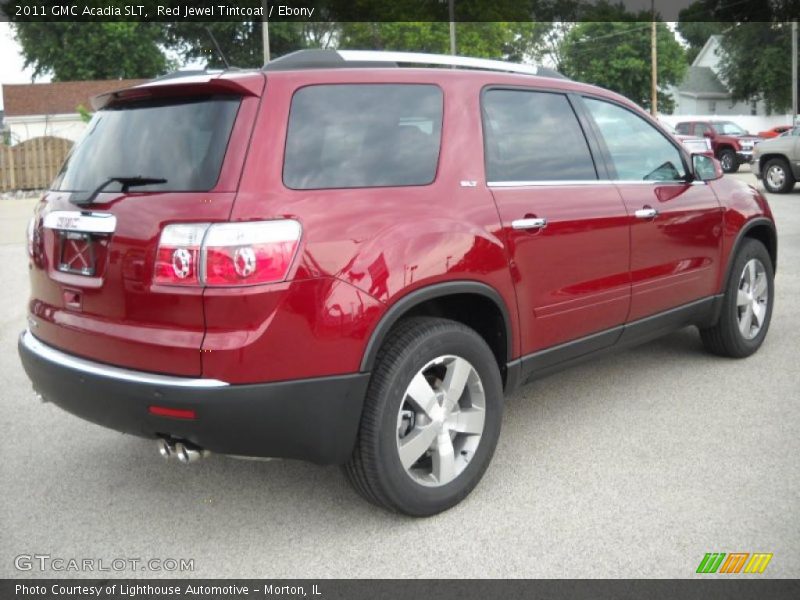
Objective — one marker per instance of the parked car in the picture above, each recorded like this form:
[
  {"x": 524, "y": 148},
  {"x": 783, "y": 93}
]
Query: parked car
[
  {"x": 731, "y": 144},
  {"x": 774, "y": 132},
  {"x": 353, "y": 265},
  {"x": 693, "y": 144},
  {"x": 777, "y": 162}
]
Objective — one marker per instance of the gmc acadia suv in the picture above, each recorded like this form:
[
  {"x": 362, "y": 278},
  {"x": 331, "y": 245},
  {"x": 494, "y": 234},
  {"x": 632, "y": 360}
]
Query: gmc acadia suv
[{"x": 338, "y": 260}]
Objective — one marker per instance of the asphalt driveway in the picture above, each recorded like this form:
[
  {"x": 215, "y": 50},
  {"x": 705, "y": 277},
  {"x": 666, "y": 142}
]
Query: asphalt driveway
[{"x": 634, "y": 465}]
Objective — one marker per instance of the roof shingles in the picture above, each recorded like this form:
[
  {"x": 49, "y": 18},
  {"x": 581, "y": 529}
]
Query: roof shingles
[
  {"x": 58, "y": 98},
  {"x": 702, "y": 81}
]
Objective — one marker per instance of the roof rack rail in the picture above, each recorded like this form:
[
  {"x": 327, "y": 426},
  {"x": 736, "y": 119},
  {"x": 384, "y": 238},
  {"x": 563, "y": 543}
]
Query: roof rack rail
[{"x": 321, "y": 59}]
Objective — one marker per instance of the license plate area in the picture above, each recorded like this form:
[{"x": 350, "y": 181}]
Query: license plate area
[{"x": 76, "y": 253}]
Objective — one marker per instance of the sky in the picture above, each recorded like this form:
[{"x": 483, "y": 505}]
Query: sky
[{"x": 11, "y": 61}]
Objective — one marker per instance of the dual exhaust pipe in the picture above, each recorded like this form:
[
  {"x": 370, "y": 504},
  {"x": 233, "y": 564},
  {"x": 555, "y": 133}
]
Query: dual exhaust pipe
[{"x": 184, "y": 451}]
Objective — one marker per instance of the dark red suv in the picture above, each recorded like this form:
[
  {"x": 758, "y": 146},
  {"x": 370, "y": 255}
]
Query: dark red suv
[{"x": 342, "y": 261}]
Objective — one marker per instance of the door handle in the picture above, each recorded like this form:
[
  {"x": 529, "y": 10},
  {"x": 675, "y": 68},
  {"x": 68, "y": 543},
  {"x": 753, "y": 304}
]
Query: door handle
[
  {"x": 646, "y": 213},
  {"x": 532, "y": 223}
]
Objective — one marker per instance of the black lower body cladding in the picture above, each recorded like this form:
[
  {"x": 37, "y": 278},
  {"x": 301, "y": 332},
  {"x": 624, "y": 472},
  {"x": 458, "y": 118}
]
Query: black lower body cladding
[{"x": 312, "y": 419}]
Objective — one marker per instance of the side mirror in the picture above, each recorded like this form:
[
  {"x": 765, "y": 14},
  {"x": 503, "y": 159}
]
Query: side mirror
[{"x": 706, "y": 168}]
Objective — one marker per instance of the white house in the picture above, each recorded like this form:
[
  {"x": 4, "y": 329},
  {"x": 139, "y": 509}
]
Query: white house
[
  {"x": 703, "y": 95},
  {"x": 51, "y": 109}
]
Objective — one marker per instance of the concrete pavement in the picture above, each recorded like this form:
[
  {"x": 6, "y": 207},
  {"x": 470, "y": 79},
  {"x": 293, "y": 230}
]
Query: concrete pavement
[{"x": 634, "y": 465}]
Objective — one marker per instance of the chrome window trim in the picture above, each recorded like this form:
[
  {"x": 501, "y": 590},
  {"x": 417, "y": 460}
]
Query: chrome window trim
[
  {"x": 89, "y": 367},
  {"x": 82, "y": 221},
  {"x": 567, "y": 182}
]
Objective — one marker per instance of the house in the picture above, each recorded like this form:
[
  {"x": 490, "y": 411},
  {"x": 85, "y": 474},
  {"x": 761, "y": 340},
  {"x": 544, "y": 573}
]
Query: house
[
  {"x": 703, "y": 92},
  {"x": 51, "y": 109}
]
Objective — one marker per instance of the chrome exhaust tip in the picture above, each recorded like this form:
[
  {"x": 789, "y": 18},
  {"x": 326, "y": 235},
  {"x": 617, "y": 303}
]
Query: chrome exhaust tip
[
  {"x": 165, "y": 449},
  {"x": 187, "y": 453}
]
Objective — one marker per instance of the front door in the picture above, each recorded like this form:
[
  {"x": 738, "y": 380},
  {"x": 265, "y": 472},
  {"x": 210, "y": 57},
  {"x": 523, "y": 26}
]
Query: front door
[{"x": 676, "y": 224}]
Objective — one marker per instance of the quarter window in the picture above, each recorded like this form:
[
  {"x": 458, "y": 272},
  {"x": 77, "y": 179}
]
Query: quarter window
[
  {"x": 638, "y": 150},
  {"x": 533, "y": 136},
  {"x": 363, "y": 135}
]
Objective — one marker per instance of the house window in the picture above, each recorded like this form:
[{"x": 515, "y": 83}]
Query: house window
[
  {"x": 712, "y": 107},
  {"x": 754, "y": 107}
]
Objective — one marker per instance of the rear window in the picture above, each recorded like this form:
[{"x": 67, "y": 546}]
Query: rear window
[
  {"x": 182, "y": 141},
  {"x": 363, "y": 135}
]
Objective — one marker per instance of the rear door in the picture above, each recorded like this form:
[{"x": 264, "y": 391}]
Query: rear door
[
  {"x": 92, "y": 290},
  {"x": 566, "y": 228},
  {"x": 676, "y": 225}
]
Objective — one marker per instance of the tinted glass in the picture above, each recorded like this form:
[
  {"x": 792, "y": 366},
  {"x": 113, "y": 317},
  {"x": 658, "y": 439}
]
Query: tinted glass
[
  {"x": 365, "y": 135},
  {"x": 701, "y": 128},
  {"x": 533, "y": 136},
  {"x": 182, "y": 141},
  {"x": 638, "y": 150},
  {"x": 682, "y": 128}
]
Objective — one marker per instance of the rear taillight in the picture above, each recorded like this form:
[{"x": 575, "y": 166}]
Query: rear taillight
[
  {"x": 227, "y": 254},
  {"x": 29, "y": 233},
  {"x": 178, "y": 256}
]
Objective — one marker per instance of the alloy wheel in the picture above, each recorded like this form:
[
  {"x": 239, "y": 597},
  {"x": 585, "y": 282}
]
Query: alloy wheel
[
  {"x": 441, "y": 421},
  {"x": 752, "y": 298}
]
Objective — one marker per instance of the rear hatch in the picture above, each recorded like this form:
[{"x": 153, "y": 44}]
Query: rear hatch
[{"x": 93, "y": 254}]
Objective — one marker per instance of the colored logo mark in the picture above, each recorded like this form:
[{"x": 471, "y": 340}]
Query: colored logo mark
[{"x": 735, "y": 562}]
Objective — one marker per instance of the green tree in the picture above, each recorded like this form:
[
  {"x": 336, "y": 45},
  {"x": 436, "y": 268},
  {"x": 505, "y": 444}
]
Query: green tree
[
  {"x": 78, "y": 51},
  {"x": 616, "y": 55},
  {"x": 241, "y": 42},
  {"x": 500, "y": 40},
  {"x": 757, "y": 63}
]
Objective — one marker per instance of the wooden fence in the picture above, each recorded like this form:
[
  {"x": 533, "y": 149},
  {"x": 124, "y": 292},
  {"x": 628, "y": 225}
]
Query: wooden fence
[{"x": 32, "y": 164}]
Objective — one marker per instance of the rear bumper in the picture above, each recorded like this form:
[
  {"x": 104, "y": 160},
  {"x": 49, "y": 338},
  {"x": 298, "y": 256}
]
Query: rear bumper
[{"x": 310, "y": 419}]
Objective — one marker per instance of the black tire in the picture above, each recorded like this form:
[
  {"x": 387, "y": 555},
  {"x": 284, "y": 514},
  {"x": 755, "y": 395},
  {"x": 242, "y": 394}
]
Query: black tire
[
  {"x": 725, "y": 337},
  {"x": 375, "y": 469},
  {"x": 777, "y": 176},
  {"x": 728, "y": 160}
]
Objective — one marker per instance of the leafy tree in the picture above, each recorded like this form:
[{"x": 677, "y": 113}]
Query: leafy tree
[
  {"x": 241, "y": 41},
  {"x": 507, "y": 40},
  {"x": 757, "y": 63},
  {"x": 616, "y": 55},
  {"x": 78, "y": 51}
]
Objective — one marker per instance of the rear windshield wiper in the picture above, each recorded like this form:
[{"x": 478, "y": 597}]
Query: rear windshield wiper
[{"x": 126, "y": 182}]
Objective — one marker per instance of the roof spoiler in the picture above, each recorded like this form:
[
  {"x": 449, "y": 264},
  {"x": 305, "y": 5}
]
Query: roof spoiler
[{"x": 191, "y": 82}]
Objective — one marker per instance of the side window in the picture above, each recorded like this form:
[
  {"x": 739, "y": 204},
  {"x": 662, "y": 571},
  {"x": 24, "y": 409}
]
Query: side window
[
  {"x": 638, "y": 150},
  {"x": 363, "y": 135},
  {"x": 533, "y": 136},
  {"x": 700, "y": 129},
  {"x": 682, "y": 128}
]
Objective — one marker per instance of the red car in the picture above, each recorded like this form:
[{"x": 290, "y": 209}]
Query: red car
[
  {"x": 349, "y": 263},
  {"x": 774, "y": 132},
  {"x": 731, "y": 144}
]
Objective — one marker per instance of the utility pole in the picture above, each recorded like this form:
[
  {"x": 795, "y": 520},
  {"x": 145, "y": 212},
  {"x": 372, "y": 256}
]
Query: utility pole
[
  {"x": 265, "y": 32},
  {"x": 452, "y": 27},
  {"x": 653, "y": 62},
  {"x": 794, "y": 73}
]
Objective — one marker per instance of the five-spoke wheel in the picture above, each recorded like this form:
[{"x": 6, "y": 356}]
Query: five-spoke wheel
[{"x": 431, "y": 418}]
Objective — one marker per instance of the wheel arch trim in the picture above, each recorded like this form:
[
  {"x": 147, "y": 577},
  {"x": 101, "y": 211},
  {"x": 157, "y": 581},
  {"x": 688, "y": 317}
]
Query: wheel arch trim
[
  {"x": 430, "y": 292},
  {"x": 749, "y": 226}
]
